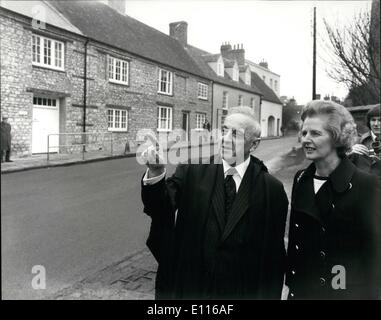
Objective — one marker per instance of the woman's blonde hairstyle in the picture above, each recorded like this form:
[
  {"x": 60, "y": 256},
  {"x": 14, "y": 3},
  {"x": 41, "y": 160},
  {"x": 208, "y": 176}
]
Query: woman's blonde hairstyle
[{"x": 340, "y": 125}]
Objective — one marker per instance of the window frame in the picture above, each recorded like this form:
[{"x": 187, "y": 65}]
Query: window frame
[
  {"x": 170, "y": 82},
  {"x": 114, "y": 128},
  {"x": 168, "y": 120},
  {"x": 225, "y": 100},
  {"x": 206, "y": 91},
  {"x": 41, "y": 52},
  {"x": 54, "y": 102},
  {"x": 113, "y": 61},
  {"x": 252, "y": 103},
  {"x": 199, "y": 122}
]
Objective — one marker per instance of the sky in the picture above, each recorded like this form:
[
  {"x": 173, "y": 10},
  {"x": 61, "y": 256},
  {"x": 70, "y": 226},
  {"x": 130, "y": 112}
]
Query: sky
[{"x": 280, "y": 32}]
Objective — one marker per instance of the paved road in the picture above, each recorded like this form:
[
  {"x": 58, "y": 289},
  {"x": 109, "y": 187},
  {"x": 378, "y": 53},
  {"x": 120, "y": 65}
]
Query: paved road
[{"x": 75, "y": 220}]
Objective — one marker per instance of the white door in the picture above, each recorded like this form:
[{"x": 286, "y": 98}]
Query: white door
[{"x": 45, "y": 122}]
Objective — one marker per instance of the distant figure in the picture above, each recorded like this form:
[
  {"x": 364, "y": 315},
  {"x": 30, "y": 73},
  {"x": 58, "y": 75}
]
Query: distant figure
[
  {"x": 206, "y": 126},
  {"x": 366, "y": 154},
  {"x": 283, "y": 130},
  {"x": 5, "y": 139}
]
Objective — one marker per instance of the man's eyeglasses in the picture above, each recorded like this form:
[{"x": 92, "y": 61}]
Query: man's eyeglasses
[{"x": 235, "y": 133}]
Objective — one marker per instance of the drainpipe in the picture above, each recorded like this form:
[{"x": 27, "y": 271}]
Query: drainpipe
[
  {"x": 260, "y": 111},
  {"x": 84, "y": 94},
  {"x": 212, "y": 115}
]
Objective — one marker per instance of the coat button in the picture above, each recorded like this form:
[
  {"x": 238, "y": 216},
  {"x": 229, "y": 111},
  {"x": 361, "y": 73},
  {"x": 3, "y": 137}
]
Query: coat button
[
  {"x": 293, "y": 271},
  {"x": 296, "y": 247},
  {"x": 322, "y": 281},
  {"x": 296, "y": 225},
  {"x": 323, "y": 229},
  {"x": 322, "y": 254},
  {"x": 292, "y": 295}
]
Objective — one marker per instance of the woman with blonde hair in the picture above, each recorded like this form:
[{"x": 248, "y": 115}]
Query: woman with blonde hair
[{"x": 334, "y": 237}]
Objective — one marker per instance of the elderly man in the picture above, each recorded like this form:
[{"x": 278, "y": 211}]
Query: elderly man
[
  {"x": 5, "y": 131},
  {"x": 217, "y": 229}
]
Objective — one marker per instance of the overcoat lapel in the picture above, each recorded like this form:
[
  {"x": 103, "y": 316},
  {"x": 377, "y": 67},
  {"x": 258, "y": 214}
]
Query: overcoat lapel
[
  {"x": 218, "y": 198},
  {"x": 304, "y": 194}
]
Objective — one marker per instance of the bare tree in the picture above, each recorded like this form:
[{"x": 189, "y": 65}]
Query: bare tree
[{"x": 356, "y": 57}]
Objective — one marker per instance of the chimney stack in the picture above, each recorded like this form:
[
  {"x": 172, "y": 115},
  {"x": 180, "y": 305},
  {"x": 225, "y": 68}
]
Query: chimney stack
[
  {"x": 264, "y": 64},
  {"x": 235, "y": 53},
  {"x": 118, "y": 5},
  {"x": 179, "y": 31},
  {"x": 225, "y": 49}
]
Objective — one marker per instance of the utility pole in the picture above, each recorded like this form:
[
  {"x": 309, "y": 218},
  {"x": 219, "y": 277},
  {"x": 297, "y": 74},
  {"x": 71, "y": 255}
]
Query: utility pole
[{"x": 314, "y": 59}]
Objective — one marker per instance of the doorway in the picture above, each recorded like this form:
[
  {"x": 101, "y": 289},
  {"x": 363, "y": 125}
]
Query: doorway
[
  {"x": 185, "y": 126},
  {"x": 45, "y": 121}
]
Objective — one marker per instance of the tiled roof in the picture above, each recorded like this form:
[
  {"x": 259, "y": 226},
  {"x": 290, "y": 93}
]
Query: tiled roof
[
  {"x": 260, "y": 67},
  {"x": 268, "y": 93},
  {"x": 102, "y": 23},
  {"x": 229, "y": 63},
  {"x": 211, "y": 57},
  {"x": 198, "y": 57}
]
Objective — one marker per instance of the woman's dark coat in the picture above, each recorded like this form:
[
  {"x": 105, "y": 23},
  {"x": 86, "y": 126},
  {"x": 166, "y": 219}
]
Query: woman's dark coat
[
  {"x": 202, "y": 257},
  {"x": 339, "y": 226}
]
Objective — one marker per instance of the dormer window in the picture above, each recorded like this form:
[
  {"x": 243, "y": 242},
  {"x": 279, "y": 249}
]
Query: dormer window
[
  {"x": 248, "y": 78},
  {"x": 220, "y": 68},
  {"x": 235, "y": 73}
]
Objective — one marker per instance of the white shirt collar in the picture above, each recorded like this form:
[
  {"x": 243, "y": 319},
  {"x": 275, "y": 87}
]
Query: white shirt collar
[
  {"x": 241, "y": 168},
  {"x": 373, "y": 135}
]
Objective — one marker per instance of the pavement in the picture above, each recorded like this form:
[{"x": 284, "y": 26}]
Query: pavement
[{"x": 133, "y": 276}]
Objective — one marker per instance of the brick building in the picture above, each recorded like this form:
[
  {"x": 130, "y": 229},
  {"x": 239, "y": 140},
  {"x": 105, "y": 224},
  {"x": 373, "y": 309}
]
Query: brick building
[
  {"x": 134, "y": 76},
  {"x": 232, "y": 85}
]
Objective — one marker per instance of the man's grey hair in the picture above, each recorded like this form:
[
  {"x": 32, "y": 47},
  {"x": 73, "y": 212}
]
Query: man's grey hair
[{"x": 252, "y": 129}]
